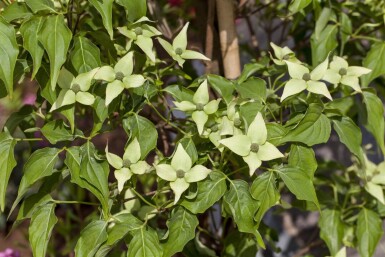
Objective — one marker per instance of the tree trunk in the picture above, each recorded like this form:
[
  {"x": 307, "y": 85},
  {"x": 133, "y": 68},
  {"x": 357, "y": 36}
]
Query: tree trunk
[{"x": 228, "y": 39}]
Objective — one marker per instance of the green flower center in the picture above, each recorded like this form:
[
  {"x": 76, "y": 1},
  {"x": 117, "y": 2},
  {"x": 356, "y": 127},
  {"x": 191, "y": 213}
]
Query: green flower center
[
  {"x": 343, "y": 71},
  {"x": 119, "y": 75},
  {"x": 214, "y": 128},
  {"x": 75, "y": 88},
  {"x": 237, "y": 122},
  {"x": 126, "y": 163},
  {"x": 180, "y": 173},
  {"x": 179, "y": 51},
  {"x": 200, "y": 107},
  {"x": 306, "y": 77},
  {"x": 254, "y": 148},
  {"x": 286, "y": 57},
  {"x": 138, "y": 31}
]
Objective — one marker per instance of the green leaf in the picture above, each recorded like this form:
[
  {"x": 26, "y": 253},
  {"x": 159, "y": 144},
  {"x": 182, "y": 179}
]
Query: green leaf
[
  {"x": 180, "y": 93},
  {"x": 254, "y": 88},
  {"x": 239, "y": 245},
  {"x": 16, "y": 11},
  {"x": 208, "y": 193},
  {"x": 322, "y": 21},
  {"x": 303, "y": 157},
  {"x": 145, "y": 243},
  {"x": 298, "y": 5},
  {"x": 223, "y": 86},
  {"x": 91, "y": 238},
  {"x": 350, "y": 135},
  {"x": 85, "y": 56},
  {"x": 248, "y": 70},
  {"x": 55, "y": 37},
  {"x": 249, "y": 110},
  {"x": 73, "y": 162},
  {"x": 332, "y": 229},
  {"x": 314, "y": 128},
  {"x": 181, "y": 229},
  {"x": 29, "y": 30},
  {"x": 124, "y": 223},
  {"x": 56, "y": 131},
  {"x": 9, "y": 51},
  {"x": 322, "y": 45},
  {"x": 189, "y": 146},
  {"x": 275, "y": 133},
  {"x": 144, "y": 130},
  {"x": 299, "y": 183},
  {"x": 140, "y": 7},
  {"x": 31, "y": 204},
  {"x": 7, "y": 163},
  {"x": 104, "y": 7},
  {"x": 374, "y": 60},
  {"x": 345, "y": 29},
  {"x": 374, "y": 117},
  {"x": 40, "y": 5},
  {"x": 95, "y": 173},
  {"x": 40, "y": 164},
  {"x": 242, "y": 206},
  {"x": 40, "y": 229},
  {"x": 368, "y": 232},
  {"x": 265, "y": 191}
]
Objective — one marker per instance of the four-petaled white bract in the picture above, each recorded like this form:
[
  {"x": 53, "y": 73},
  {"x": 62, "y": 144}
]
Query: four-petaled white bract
[
  {"x": 253, "y": 146},
  {"x": 282, "y": 55},
  {"x": 181, "y": 172}
]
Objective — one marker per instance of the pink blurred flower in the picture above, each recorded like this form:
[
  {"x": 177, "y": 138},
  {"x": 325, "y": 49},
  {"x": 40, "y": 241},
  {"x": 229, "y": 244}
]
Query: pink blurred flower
[
  {"x": 175, "y": 3},
  {"x": 29, "y": 99},
  {"x": 9, "y": 253}
]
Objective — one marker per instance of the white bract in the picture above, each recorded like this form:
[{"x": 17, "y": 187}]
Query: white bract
[
  {"x": 201, "y": 106},
  {"x": 178, "y": 50},
  {"x": 74, "y": 89},
  {"x": 302, "y": 78},
  {"x": 141, "y": 34},
  {"x": 253, "y": 146},
  {"x": 129, "y": 165},
  {"x": 181, "y": 172},
  {"x": 120, "y": 77},
  {"x": 231, "y": 121},
  {"x": 341, "y": 72},
  {"x": 282, "y": 55},
  {"x": 376, "y": 180}
]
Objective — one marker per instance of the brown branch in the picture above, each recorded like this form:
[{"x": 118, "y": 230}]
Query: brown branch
[{"x": 210, "y": 34}]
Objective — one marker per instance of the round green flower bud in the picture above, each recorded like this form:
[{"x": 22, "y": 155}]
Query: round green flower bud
[
  {"x": 180, "y": 173},
  {"x": 306, "y": 77},
  {"x": 342, "y": 71},
  {"x": 75, "y": 88},
  {"x": 138, "y": 31},
  {"x": 254, "y": 148},
  {"x": 179, "y": 51},
  {"x": 200, "y": 107},
  {"x": 119, "y": 75}
]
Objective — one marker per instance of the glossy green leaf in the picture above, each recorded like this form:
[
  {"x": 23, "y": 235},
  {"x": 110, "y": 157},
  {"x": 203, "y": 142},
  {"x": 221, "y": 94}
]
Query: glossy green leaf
[
  {"x": 303, "y": 157},
  {"x": 29, "y": 30},
  {"x": 242, "y": 206},
  {"x": 208, "y": 193},
  {"x": 124, "y": 223},
  {"x": 332, "y": 229},
  {"x": 350, "y": 135},
  {"x": 144, "y": 130},
  {"x": 85, "y": 56},
  {"x": 40, "y": 164},
  {"x": 322, "y": 45},
  {"x": 298, "y": 5},
  {"x": 374, "y": 60},
  {"x": 145, "y": 243},
  {"x": 299, "y": 183},
  {"x": 265, "y": 191},
  {"x": 140, "y": 7},
  {"x": 40, "y": 5},
  {"x": 181, "y": 229},
  {"x": 7, "y": 163},
  {"x": 55, "y": 37},
  {"x": 368, "y": 232},
  {"x": 40, "y": 229},
  {"x": 313, "y": 129},
  {"x": 95, "y": 173},
  {"x": 91, "y": 238},
  {"x": 239, "y": 245},
  {"x": 9, "y": 51},
  {"x": 56, "y": 131},
  {"x": 345, "y": 28},
  {"x": 223, "y": 86},
  {"x": 248, "y": 70},
  {"x": 322, "y": 21},
  {"x": 374, "y": 118},
  {"x": 104, "y": 7},
  {"x": 16, "y": 11},
  {"x": 31, "y": 204},
  {"x": 180, "y": 93},
  {"x": 254, "y": 88}
]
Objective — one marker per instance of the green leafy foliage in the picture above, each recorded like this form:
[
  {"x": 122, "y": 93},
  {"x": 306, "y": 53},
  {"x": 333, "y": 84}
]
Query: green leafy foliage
[
  {"x": 91, "y": 237},
  {"x": 7, "y": 163},
  {"x": 368, "y": 232},
  {"x": 332, "y": 229}
]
